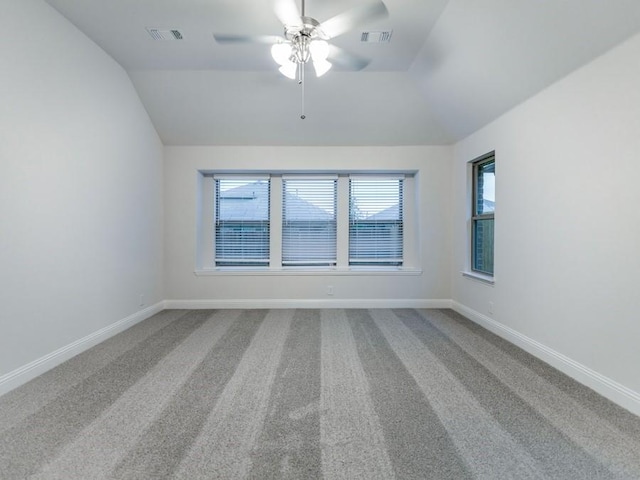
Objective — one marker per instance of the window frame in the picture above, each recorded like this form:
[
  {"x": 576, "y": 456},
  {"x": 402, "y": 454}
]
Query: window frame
[
  {"x": 476, "y": 166},
  {"x": 218, "y": 225},
  {"x": 286, "y": 259},
  {"x": 377, "y": 260}
]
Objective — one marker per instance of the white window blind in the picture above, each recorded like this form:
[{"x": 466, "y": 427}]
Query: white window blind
[
  {"x": 375, "y": 221},
  {"x": 242, "y": 222},
  {"x": 309, "y": 221}
]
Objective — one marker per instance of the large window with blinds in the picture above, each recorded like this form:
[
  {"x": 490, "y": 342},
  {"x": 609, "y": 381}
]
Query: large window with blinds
[
  {"x": 287, "y": 222},
  {"x": 309, "y": 221},
  {"x": 242, "y": 222},
  {"x": 375, "y": 221}
]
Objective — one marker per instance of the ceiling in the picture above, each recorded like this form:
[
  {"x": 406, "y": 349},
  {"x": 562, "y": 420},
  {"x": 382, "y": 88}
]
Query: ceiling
[{"x": 451, "y": 66}]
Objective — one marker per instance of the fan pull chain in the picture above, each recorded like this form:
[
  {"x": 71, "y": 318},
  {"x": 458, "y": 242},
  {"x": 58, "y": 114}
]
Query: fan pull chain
[{"x": 301, "y": 83}]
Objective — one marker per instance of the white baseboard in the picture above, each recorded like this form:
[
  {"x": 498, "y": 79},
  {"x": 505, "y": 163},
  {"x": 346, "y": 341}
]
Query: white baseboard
[
  {"x": 312, "y": 303},
  {"x": 37, "y": 367},
  {"x": 605, "y": 386}
]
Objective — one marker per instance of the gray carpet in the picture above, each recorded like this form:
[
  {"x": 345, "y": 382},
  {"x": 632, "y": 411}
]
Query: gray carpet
[{"x": 294, "y": 394}]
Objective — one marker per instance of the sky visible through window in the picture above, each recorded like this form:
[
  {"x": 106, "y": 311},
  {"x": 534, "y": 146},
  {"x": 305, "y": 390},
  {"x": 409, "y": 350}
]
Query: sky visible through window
[{"x": 489, "y": 187}]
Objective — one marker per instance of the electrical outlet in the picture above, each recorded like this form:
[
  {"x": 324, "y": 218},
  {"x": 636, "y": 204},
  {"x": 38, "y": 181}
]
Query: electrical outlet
[
  {"x": 142, "y": 300},
  {"x": 330, "y": 290},
  {"x": 490, "y": 308}
]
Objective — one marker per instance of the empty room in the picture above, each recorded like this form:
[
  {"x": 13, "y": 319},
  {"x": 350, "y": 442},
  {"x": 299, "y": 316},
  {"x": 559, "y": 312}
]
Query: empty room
[{"x": 288, "y": 239}]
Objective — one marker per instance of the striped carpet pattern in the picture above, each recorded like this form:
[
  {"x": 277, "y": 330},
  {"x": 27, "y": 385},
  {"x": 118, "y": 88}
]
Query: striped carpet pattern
[{"x": 311, "y": 394}]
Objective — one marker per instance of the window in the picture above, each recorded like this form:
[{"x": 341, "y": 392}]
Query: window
[
  {"x": 301, "y": 223},
  {"x": 482, "y": 216},
  {"x": 241, "y": 222},
  {"x": 375, "y": 221},
  {"x": 309, "y": 221}
]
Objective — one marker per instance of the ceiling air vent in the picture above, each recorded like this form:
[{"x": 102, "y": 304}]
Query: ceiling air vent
[
  {"x": 165, "y": 34},
  {"x": 376, "y": 37}
]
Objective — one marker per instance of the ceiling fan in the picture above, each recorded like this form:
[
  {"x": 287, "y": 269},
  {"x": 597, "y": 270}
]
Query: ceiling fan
[{"x": 306, "y": 39}]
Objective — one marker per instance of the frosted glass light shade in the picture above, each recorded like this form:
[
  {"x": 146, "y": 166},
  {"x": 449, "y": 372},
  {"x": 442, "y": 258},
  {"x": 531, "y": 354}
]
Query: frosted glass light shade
[
  {"x": 319, "y": 50},
  {"x": 290, "y": 55},
  {"x": 281, "y": 53},
  {"x": 321, "y": 67},
  {"x": 289, "y": 70}
]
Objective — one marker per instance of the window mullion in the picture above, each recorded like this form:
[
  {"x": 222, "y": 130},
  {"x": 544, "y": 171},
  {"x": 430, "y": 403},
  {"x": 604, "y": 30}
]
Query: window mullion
[
  {"x": 343, "y": 223},
  {"x": 276, "y": 223}
]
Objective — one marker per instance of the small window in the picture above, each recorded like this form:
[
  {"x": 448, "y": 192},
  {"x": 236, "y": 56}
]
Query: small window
[
  {"x": 309, "y": 221},
  {"x": 375, "y": 221},
  {"x": 241, "y": 222},
  {"x": 483, "y": 209}
]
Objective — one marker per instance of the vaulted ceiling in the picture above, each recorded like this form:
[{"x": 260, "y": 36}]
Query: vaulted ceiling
[{"x": 450, "y": 67}]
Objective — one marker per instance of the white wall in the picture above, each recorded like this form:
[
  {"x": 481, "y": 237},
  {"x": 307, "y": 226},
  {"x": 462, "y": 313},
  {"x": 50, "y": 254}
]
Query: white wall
[
  {"x": 567, "y": 224},
  {"x": 434, "y": 179},
  {"x": 80, "y": 188}
]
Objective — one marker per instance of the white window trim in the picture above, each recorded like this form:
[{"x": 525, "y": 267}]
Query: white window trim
[
  {"x": 479, "y": 277},
  {"x": 303, "y": 271}
]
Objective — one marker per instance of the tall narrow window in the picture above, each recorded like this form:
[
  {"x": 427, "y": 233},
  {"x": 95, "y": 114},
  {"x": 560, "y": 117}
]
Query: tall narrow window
[
  {"x": 483, "y": 209},
  {"x": 309, "y": 221},
  {"x": 375, "y": 221},
  {"x": 242, "y": 222}
]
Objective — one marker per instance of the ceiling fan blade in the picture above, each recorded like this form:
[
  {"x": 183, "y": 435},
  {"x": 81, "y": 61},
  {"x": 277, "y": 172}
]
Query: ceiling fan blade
[
  {"x": 346, "y": 59},
  {"x": 268, "y": 39},
  {"x": 287, "y": 12},
  {"x": 352, "y": 18}
]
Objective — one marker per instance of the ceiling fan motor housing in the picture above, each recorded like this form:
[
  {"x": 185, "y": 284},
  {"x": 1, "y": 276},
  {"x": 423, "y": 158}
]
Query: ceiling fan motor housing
[
  {"x": 309, "y": 28},
  {"x": 302, "y": 36}
]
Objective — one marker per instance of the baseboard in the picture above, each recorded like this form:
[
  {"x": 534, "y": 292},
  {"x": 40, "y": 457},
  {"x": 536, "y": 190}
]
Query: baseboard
[
  {"x": 31, "y": 370},
  {"x": 605, "y": 386},
  {"x": 308, "y": 303}
]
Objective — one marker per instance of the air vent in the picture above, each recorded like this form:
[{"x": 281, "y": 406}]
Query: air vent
[
  {"x": 376, "y": 37},
  {"x": 165, "y": 34}
]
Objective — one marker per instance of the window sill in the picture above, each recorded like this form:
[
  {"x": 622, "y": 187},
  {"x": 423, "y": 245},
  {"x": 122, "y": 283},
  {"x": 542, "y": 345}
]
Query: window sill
[
  {"x": 486, "y": 279},
  {"x": 295, "y": 272}
]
